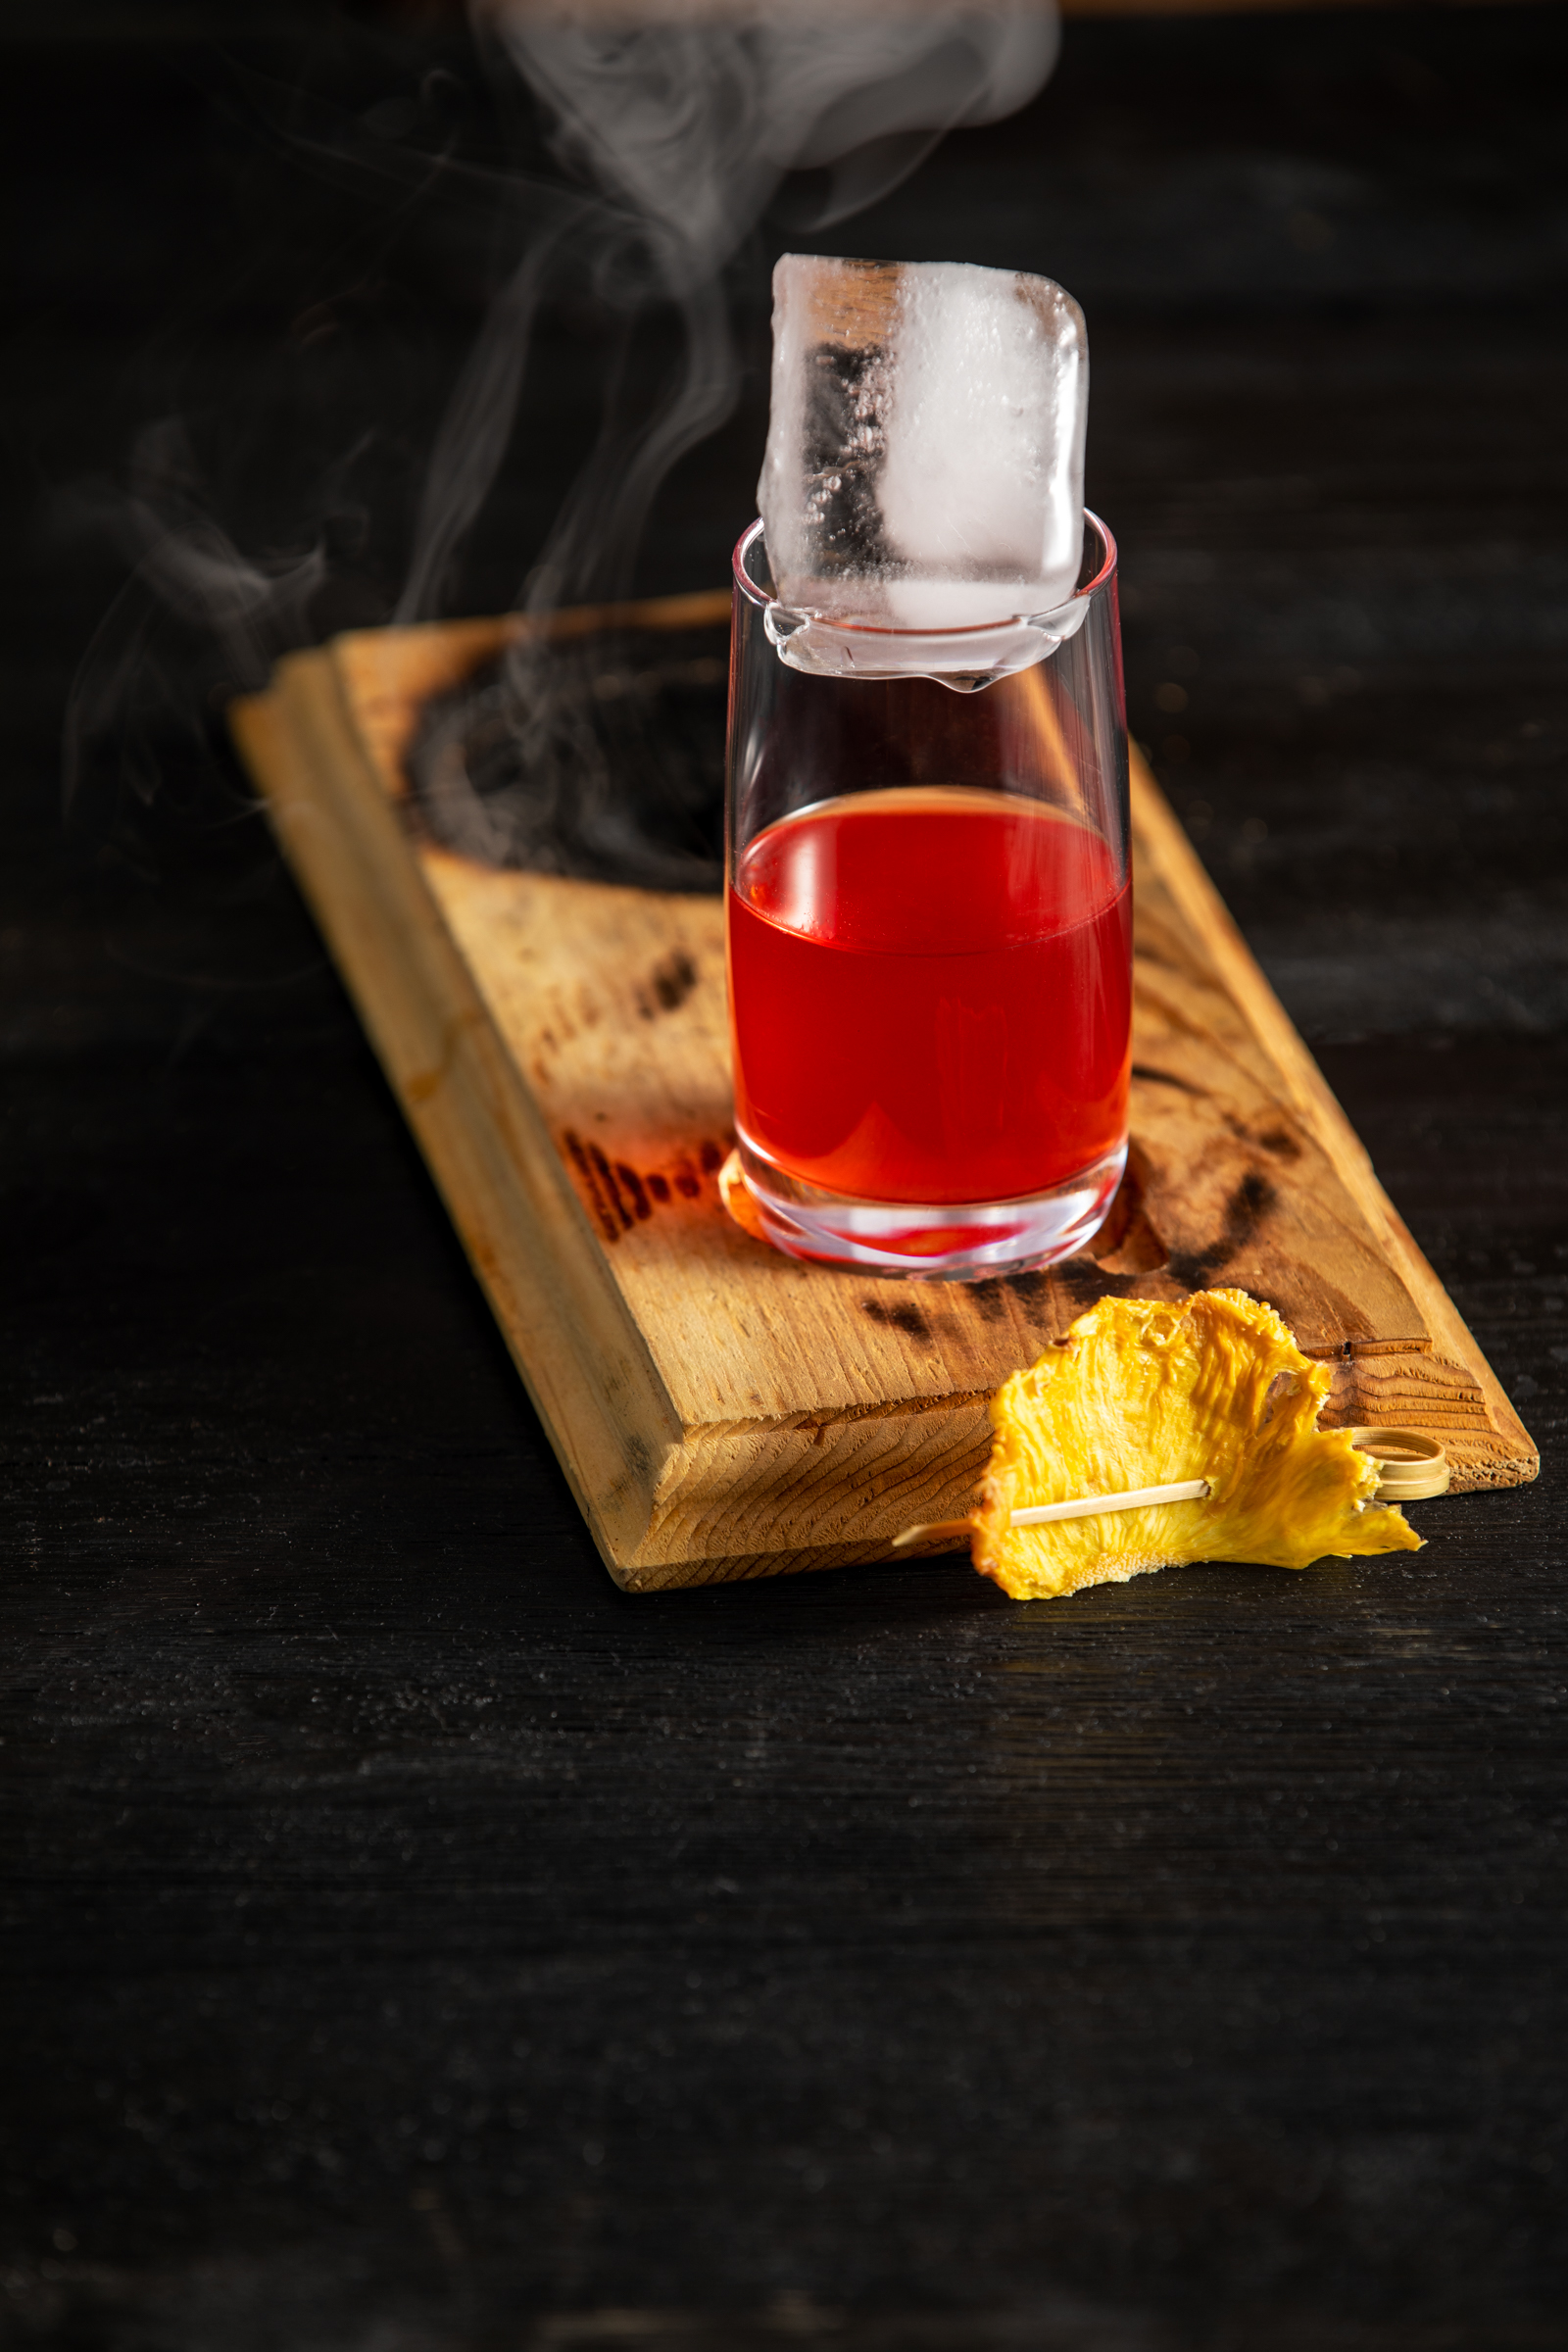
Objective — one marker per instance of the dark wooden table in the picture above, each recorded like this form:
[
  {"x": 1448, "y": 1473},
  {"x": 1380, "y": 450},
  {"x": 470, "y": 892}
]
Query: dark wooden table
[{"x": 413, "y": 1945}]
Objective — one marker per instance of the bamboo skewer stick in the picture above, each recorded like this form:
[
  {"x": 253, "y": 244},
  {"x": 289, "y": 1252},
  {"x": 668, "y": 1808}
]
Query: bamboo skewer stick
[
  {"x": 1081, "y": 1506},
  {"x": 1130, "y": 1498},
  {"x": 1410, "y": 1468}
]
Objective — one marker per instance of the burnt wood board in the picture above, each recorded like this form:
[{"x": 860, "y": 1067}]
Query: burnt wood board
[{"x": 561, "y": 1050}]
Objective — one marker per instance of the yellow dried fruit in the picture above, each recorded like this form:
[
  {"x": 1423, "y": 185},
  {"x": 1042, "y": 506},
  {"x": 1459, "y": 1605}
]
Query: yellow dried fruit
[{"x": 1142, "y": 1394}]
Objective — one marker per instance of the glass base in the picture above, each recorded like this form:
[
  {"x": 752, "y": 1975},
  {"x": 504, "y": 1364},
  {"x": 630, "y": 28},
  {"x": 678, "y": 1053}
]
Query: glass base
[{"x": 949, "y": 1242}]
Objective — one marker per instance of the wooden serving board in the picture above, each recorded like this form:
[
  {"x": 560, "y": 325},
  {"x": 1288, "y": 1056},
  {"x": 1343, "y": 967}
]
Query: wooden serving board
[{"x": 562, "y": 1051}]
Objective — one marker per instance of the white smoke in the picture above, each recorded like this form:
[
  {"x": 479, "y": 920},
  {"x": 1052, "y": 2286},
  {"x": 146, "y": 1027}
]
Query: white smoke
[
  {"x": 184, "y": 570},
  {"x": 693, "y": 116},
  {"x": 674, "y": 128},
  {"x": 684, "y": 123}
]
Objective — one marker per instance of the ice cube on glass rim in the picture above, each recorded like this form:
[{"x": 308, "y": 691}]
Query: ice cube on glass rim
[{"x": 925, "y": 448}]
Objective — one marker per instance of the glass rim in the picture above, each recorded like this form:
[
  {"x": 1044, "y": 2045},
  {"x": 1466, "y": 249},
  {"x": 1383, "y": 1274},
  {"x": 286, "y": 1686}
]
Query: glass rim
[{"x": 758, "y": 596}]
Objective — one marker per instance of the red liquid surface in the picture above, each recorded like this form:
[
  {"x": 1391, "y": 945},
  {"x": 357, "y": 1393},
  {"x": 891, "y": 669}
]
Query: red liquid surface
[{"x": 931, "y": 993}]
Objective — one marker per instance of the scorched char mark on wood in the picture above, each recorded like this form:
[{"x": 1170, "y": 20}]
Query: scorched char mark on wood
[{"x": 621, "y": 1198}]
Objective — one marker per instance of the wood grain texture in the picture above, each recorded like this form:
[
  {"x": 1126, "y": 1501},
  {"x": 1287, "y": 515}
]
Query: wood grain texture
[{"x": 560, "y": 1048}]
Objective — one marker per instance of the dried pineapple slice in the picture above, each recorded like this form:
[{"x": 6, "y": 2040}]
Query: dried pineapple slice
[{"x": 1142, "y": 1394}]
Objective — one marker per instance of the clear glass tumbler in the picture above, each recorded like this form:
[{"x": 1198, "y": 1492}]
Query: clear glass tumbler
[{"x": 930, "y": 929}]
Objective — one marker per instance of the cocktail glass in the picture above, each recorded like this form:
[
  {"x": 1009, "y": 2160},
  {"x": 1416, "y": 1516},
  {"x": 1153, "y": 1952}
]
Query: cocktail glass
[{"x": 930, "y": 929}]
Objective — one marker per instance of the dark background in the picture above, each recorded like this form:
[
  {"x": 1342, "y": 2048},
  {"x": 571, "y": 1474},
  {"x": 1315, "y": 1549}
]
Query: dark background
[{"x": 414, "y": 1945}]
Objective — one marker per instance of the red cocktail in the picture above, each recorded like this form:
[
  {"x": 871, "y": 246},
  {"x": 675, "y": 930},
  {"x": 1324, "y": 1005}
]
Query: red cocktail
[{"x": 955, "y": 966}]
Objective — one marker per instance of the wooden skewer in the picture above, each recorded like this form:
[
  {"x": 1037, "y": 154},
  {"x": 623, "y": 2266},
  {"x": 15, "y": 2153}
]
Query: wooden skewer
[
  {"x": 1411, "y": 1467},
  {"x": 1081, "y": 1506},
  {"x": 946, "y": 1531},
  {"x": 1130, "y": 1498}
]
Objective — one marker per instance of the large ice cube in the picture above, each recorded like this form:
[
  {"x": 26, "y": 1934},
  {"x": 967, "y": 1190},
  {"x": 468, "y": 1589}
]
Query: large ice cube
[{"x": 925, "y": 448}]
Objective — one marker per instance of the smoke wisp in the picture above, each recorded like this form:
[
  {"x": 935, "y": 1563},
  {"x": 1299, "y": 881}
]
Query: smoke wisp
[
  {"x": 684, "y": 126},
  {"x": 671, "y": 132}
]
